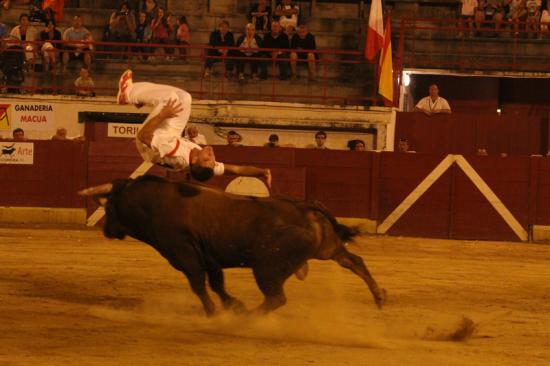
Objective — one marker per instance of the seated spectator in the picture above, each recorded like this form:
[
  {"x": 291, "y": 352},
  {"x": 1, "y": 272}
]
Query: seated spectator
[
  {"x": 5, "y": 4},
  {"x": 75, "y": 50},
  {"x": 150, "y": 8},
  {"x": 433, "y": 104},
  {"x": 467, "y": 11},
  {"x": 357, "y": 145},
  {"x": 183, "y": 36},
  {"x": 249, "y": 44},
  {"x": 60, "y": 134},
  {"x": 303, "y": 40},
  {"x": 259, "y": 15},
  {"x": 143, "y": 35},
  {"x": 23, "y": 32},
  {"x": 220, "y": 39},
  {"x": 84, "y": 83},
  {"x": 161, "y": 32},
  {"x": 122, "y": 25},
  {"x": 290, "y": 31},
  {"x": 279, "y": 40},
  {"x": 287, "y": 13},
  {"x": 234, "y": 139},
  {"x": 545, "y": 18},
  {"x": 320, "y": 140},
  {"x": 19, "y": 135},
  {"x": 50, "y": 49},
  {"x": 490, "y": 11},
  {"x": 533, "y": 18},
  {"x": 403, "y": 146},
  {"x": 192, "y": 134},
  {"x": 273, "y": 141},
  {"x": 517, "y": 13}
]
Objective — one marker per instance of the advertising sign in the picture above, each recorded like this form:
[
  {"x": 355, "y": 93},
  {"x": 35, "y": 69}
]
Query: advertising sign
[
  {"x": 32, "y": 116},
  {"x": 122, "y": 130},
  {"x": 17, "y": 153}
]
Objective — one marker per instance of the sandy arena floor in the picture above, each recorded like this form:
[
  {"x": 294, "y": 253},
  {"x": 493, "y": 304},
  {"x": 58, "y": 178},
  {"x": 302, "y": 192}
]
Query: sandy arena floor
[{"x": 71, "y": 297}]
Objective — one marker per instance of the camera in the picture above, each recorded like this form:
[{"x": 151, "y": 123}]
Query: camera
[{"x": 122, "y": 13}]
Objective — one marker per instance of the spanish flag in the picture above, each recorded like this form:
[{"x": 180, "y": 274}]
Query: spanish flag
[
  {"x": 57, "y": 6},
  {"x": 385, "y": 83}
]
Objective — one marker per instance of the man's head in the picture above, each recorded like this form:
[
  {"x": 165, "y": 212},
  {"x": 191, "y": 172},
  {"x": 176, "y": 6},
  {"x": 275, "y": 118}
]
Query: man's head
[
  {"x": 60, "y": 134},
  {"x": 320, "y": 138},
  {"x": 223, "y": 26},
  {"x": 192, "y": 131},
  {"x": 18, "y": 134},
  {"x": 201, "y": 164},
  {"x": 250, "y": 29},
  {"x": 273, "y": 140},
  {"x": 359, "y": 146},
  {"x": 302, "y": 31},
  {"x": 275, "y": 27},
  {"x": 84, "y": 72},
  {"x": 403, "y": 145},
  {"x": 24, "y": 20},
  {"x": 434, "y": 91},
  {"x": 77, "y": 21},
  {"x": 233, "y": 138}
]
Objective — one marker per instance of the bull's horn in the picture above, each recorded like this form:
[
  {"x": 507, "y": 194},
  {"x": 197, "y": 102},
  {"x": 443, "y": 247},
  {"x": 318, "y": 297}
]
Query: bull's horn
[{"x": 92, "y": 191}]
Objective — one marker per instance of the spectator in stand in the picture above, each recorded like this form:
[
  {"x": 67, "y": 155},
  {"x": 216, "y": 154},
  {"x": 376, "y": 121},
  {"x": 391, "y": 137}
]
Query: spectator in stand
[
  {"x": 19, "y": 135},
  {"x": 60, "y": 134},
  {"x": 150, "y": 8},
  {"x": 143, "y": 34},
  {"x": 50, "y": 49},
  {"x": 273, "y": 141},
  {"x": 84, "y": 83},
  {"x": 74, "y": 50},
  {"x": 517, "y": 13},
  {"x": 533, "y": 18},
  {"x": 23, "y": 32},
  {"x": 220, "y": 39},
  {"x": 193, "y": 135},
  {"x": 303, "y": 40},
  {"x": 545, "y": 18},
  {"x": 433, "y": 103},
  {"x": 183, "y": 36},
  {"x": 172, "y": 36},
  {"x": 260, "y": 15},
  {"x": 290, "y": 31},
  {"x": 279, "y": 40},
  {"x": 287, "y": 13},
  {"x": 122, "y": 25},
  {"x": 234, "y": 139},
  {"x": 249, "y": 44},
  {"x": 403, "y": 146},
  {"x": 320, "y": 140},
  {"x": 5, "y": 4},
  {"x": 357, "y": 145},
  {"x": 490, "y": 10},
  {"x": 161, "y": 32},
  {"x": 467, "y": 11}
]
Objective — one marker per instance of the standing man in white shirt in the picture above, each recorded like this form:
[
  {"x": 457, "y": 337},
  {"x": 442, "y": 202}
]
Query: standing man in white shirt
[{"x": 433, "y": 103}]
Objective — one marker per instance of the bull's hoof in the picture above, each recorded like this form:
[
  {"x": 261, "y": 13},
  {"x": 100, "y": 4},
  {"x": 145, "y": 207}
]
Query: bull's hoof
[
  {"x": 380, "y": 298},
  {"x": 236, "y": 306}
]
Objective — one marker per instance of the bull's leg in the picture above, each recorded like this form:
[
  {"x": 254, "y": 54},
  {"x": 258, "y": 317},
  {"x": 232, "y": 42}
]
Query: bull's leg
[
  {"x": 355, "y": 263},
  {"x": 270, "y": 283},
  {"x": 216, "y": 281}
]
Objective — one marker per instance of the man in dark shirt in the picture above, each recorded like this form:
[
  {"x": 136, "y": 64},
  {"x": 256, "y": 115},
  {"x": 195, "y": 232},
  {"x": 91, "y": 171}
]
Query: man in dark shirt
[
  {"x": 219, "y": 38},
  {"x": 259, "y": 15},
  {"x": 303, "y": 41},
  {"x": 276, "y": 39}
]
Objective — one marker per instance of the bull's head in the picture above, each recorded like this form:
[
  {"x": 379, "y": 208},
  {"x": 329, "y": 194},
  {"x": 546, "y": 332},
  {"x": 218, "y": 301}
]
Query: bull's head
[{"x": 104, "y": 195}]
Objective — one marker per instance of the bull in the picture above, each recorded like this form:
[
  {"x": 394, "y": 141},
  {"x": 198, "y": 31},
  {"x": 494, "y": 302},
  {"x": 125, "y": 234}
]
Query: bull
[{"x": 201, "y": 230}]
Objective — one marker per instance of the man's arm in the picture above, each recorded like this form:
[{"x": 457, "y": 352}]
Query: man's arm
[
  {"x": 171, "y": 109},
  {"x": 249, "y": 171}
]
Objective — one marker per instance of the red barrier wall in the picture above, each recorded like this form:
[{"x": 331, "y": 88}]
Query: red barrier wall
[
  {"x": 59, "y": 170},
  {"x": 461, "y": 133}
]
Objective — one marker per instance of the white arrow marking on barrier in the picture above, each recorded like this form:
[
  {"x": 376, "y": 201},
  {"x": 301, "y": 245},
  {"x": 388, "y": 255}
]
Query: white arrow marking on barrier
[
  {"x": 416, "y": 194},
  {"x": 100, "y": 212},
  {"x": 493, "y": 199}
]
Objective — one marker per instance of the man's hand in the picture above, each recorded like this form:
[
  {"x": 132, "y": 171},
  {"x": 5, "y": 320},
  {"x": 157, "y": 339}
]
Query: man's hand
[{"x": 171, "y": 109}]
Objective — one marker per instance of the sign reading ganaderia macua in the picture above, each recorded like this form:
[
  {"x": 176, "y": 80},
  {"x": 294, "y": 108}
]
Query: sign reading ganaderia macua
[
  {"x": 33, "y": 116},
  {"x": 17, "y": 153}
]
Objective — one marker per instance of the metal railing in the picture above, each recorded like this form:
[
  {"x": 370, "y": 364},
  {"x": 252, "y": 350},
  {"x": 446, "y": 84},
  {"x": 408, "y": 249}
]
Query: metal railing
[{"x": 343, "y": 77}]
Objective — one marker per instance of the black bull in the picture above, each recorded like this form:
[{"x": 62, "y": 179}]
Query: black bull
[{"x": 201, "y": 230}]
